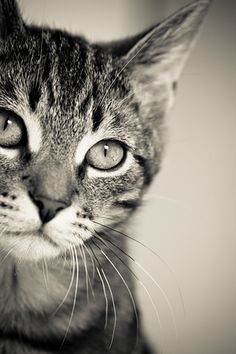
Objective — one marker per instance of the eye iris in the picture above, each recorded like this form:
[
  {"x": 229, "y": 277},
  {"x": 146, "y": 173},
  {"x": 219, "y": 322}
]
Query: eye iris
[
  {"x": 105, "y": 155},
  {"x": 11, "y": 129}
]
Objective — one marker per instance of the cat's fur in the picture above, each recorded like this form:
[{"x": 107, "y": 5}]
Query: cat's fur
[{"x": 70, "y": 95}]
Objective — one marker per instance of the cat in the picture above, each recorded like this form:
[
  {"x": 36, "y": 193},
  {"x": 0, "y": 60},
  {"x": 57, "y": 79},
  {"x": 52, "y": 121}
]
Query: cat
[{"x": 82, "y": 134}]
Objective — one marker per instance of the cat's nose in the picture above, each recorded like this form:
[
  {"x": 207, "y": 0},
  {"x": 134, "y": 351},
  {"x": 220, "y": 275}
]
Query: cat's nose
[{"x": 48, "y": 208}]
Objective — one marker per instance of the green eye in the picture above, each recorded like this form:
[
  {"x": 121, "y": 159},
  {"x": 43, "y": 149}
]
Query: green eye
[
  {"x": 11, "y": 129},
  {"x": 106, "y": 155}
]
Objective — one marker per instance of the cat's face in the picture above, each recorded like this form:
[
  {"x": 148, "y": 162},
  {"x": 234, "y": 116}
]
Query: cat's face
[{"x": 81, "y": 128}]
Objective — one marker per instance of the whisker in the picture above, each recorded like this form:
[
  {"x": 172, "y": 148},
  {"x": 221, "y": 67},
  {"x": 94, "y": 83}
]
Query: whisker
[
  {"x": 163, "y": 293},
  {"x": 114, "y": 308},
  {"x": 64, "y": 262},
  {"x": 105, "y": 296},
  {"x": 84, "y": 259},
  {"x": 112, "y": 298},
  {"x": 135, "y": 240},
  {"x": 8, "y": 253},
  {"x": 93, "y": 266},
  {"x": 154, "y": 253},
  {"x": 154, "y": 281},
  {"x": 177, "y": 202},
  {"x": 76, "y": 264},
  {"x": 19, "y": 261},
  {"x": 45, "y": 276},
  {"x": 86, "y": 272},
  {"x": 133, "y": 273},
  {"x": 3, "y": 230},
  {"x": 70, "y": 285},
  {"x": 125, "y": 283},
  {"x": 84, "y": 248}
]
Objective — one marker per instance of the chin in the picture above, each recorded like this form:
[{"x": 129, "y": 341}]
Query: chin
[{"x": 28, "y": 248}]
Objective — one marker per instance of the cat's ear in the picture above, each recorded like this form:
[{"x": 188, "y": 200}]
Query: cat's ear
[
  {"x": 156, "y": 57},
  {"x": 10, "y": 18}
]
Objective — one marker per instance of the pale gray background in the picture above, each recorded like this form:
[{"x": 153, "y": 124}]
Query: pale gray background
[{"x": 189, "y": 217}]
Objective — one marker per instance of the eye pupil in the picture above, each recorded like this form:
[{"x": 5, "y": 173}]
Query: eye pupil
[
  {"x": 7, "y": 122},
  {"x": 106, "y": 148}
]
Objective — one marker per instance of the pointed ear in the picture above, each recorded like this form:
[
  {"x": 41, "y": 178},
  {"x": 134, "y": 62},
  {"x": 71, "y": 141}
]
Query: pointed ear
[
  {"x": 156, "y": 58},
  {"x": 10, "y": 18}
]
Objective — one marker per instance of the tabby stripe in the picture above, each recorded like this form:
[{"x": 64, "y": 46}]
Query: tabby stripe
[
  {"x": 42, "y": 345},
  {"x": 97, "y": 118},
  {"x": 144, "y": 163},
  {"x": 43, "y": 72},
  {"x": 127, "y": 204},
  {"x": 83, "y": 56},
  {"x": 34, "y": 96},
  {"x": 8, "y": 90},
  {"x": 53, "y": 344},
  {"x": 86, "y": 103}
]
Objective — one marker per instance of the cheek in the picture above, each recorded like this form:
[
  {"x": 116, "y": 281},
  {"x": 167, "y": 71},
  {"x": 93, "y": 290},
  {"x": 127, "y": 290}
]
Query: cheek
[
  {"x": 11, "y": 176},
  {"x": 101, "y": 193}
]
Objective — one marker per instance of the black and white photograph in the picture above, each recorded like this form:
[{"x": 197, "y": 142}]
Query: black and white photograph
[{"x": 117, "y": 177}]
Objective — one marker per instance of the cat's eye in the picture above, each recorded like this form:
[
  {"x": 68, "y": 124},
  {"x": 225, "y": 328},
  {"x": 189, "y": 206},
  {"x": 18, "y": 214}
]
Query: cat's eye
[
  {"x": 11, "y": 129},
  {"x": 106, "y": 155}
]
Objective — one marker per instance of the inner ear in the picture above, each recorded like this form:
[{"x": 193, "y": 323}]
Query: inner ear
[
  {"x": 10, "y": 18},
  {"x": 155, "y": 58},
  {"x": 167, "y": 46}
]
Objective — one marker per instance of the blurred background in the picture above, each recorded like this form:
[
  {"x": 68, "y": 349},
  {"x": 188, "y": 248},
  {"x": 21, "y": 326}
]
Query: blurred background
[{"x": 188, "y": 216}]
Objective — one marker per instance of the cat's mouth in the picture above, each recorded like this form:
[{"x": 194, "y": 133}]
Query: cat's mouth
[
  {"x": 35, "y": 233},
  {"x": 43, "y": 242},
  {"x": 30, "y": 245},
  {"x": 39, "y": 234},
  {"x": 42, "y": 234}
]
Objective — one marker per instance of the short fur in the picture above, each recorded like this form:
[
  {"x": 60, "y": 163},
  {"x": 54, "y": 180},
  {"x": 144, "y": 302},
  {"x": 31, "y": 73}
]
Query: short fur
[{"x": 70, "y": 94}]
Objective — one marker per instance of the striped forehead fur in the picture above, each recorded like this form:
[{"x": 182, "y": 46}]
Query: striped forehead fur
[{"x": 56, "y": 63}]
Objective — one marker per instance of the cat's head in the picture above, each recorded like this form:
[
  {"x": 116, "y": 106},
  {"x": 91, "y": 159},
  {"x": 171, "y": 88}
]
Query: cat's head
[{"x": 81, "y": 127}]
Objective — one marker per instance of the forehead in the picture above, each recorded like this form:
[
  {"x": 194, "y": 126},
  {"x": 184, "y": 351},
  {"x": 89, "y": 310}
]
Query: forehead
[{"x": 69, "y": 86}]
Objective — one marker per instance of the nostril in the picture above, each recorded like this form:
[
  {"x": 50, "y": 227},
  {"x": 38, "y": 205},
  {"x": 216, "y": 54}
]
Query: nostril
[
  {"x": 25, "y": 177},
  {"x": 59, "y": 209},
  {"x": 48, "y": 208},
  {"x": 39, "y": 204}
]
